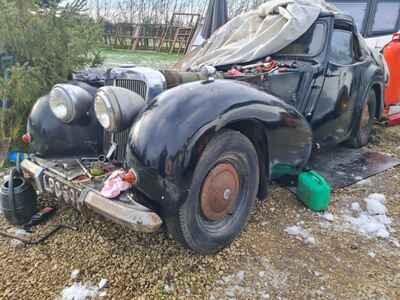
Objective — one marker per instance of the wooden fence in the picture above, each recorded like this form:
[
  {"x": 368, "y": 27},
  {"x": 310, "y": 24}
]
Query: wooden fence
[{"x": 173, "y": 37}]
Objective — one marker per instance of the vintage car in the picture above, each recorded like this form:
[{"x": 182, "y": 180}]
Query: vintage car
[{"x": 203, "y": 145}]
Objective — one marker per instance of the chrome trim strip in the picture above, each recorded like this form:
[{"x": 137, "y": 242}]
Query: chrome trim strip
[{"x": 121, "y": 213}]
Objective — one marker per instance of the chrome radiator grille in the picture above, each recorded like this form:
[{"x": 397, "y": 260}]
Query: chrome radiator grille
[
  {"x": 137, "y": 86},
  {"x": 121, "y": 138}
]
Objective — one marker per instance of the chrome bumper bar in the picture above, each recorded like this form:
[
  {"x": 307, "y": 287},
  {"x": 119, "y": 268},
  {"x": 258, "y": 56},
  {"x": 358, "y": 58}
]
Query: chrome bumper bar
[{"x": 133, "y": 215}]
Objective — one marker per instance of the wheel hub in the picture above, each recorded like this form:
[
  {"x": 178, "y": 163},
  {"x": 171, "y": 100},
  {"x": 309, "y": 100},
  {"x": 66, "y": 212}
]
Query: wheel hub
[{"x": 219, "y": 191}]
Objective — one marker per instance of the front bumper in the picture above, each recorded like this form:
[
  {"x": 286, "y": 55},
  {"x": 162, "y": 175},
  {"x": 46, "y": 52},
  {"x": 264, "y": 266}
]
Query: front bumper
[{"x": 132, "y": 214}]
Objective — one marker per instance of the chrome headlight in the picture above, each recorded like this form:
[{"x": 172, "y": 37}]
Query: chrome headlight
[
  {"x": 105, "y": 112},
  {"x": 116, "y": 107},
  {"x": 69, "y": 102}
]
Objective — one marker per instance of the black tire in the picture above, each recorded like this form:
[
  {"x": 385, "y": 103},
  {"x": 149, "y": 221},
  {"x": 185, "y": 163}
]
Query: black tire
[
  {"x": 195, "y": 224},
  {"x": 363, "y": 129}
]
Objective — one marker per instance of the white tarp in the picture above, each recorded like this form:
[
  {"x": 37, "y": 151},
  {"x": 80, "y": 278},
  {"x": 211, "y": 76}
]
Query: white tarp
[{"x": 258, "y": 33}]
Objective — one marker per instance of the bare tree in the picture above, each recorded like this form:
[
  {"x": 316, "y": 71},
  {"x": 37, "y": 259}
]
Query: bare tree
[{"x": 160, "y": 11}]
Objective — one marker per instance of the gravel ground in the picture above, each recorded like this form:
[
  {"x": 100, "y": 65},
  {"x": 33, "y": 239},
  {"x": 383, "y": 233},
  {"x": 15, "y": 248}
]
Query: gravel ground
[{"x": 263, "y": 263}]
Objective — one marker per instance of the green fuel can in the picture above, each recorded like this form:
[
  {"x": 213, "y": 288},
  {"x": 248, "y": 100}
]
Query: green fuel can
[{"x": 313, "y": 190}]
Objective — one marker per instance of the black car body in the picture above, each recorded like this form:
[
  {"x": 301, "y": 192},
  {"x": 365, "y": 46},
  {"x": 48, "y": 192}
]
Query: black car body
[{"x": 327, "y": 90}]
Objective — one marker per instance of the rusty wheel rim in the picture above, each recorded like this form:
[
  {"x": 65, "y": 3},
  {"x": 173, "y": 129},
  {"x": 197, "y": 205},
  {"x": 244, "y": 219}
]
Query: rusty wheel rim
[
  {"x": 219, "y": 192},
  {"x": 365, "y": 116}
]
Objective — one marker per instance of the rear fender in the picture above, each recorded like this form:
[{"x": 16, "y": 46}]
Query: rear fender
[{"x": 167, "y": 140}]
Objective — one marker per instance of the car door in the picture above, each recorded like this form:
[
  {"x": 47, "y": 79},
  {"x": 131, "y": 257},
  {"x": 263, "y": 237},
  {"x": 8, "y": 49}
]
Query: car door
[{"x": 332, "y": 117}]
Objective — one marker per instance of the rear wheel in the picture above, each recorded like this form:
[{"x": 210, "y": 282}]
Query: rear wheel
[
  {"x": 362, "y": 133},
  {"x": 221, "y": 196}
]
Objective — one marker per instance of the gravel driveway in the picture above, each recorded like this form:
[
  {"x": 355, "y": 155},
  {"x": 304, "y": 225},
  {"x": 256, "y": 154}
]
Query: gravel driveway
[{"x": 327, "y": 258}]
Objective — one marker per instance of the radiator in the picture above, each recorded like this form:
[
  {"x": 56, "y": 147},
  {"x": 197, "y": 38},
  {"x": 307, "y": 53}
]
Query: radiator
[{"x": 137, "y": 86}]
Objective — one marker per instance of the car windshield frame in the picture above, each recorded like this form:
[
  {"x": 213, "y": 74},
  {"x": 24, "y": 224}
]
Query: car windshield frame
[{"x": 318, "y": 52}]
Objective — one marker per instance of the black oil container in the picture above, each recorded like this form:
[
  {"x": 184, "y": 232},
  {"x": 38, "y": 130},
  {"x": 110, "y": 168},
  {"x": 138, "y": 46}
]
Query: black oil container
[{"x": 18, "y": 199}]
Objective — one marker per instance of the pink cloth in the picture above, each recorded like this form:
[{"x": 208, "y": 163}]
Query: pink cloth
[{"x": 115, "y": 185}]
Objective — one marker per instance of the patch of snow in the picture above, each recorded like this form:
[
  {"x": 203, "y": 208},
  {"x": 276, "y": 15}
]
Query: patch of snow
[
  {"x": 79, "y": 291},
  {"x": 328, "y": 216},
  {"x": 103, "y": 283},
  {"x": 241, "y": 284},
  {"x": 375, "y": 204},
  {"x": 21, "y": 233},
  {"x": 355, "y": 206},
  {"x": 373, "y": 226},
  {"x": 300, "y": 233},
  {"x": 264, "y": 296},
  {"x": 374, "y": 221},
  {"x": 16, "y": 243},
  {"x": 240, "y": 276},
  {"x": 358, "y": 178},
  {"x": 371, "y": 253},
  {"x": 75, "y": 274},
  {"x": 18, "y": 232},
  {"x": 168, "y": 288},
  {"x": 235, "y": 278}
]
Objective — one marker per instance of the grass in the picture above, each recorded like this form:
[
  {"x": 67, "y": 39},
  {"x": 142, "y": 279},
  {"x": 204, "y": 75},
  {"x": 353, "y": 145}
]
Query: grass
[{"x": 156, "y": 60}]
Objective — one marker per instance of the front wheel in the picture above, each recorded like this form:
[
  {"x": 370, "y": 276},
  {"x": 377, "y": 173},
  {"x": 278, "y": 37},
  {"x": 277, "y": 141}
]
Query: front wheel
[
  {"x": 222, "y": 194},
  {"x": 363, "y": 130}
]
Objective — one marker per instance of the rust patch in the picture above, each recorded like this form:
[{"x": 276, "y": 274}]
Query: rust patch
[
  {"x": 219, "y": 192},
  {"x": 365, "y": 116}
]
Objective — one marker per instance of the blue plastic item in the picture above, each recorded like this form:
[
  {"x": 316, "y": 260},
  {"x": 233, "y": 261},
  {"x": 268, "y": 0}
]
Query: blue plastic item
[{"x": 12, "y": 156}]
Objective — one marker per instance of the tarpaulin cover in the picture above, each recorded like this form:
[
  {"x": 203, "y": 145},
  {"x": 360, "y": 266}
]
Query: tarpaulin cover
[{"x": 258, "y": 33}]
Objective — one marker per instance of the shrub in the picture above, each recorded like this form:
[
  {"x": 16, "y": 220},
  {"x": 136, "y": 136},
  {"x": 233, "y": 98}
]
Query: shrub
[{"x": 49, "y": 44}]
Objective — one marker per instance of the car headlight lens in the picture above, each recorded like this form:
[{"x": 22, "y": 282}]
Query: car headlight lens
[
  {"x": 69, "y": 102},
  {"x": 61, "y": 105},
  {"x": 104, "y": 112},
  {"x": 116, "y": 107}
]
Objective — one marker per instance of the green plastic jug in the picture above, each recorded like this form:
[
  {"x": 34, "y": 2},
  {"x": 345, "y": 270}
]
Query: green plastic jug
[{"x": 313, "y": 190}]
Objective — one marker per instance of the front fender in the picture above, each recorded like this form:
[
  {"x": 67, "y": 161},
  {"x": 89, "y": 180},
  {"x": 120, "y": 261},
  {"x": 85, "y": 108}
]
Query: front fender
[{"x": 164, "y": 141}]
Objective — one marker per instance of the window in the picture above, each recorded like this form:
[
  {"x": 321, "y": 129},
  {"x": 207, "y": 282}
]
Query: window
[
  {"x": 309, "y": 44},
  {"x": 357, "y": 9},
  {"x": 341, "y": 47},
  {"x": 386, "y": 16}
]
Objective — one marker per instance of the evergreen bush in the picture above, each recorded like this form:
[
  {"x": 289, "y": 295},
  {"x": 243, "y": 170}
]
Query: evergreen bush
[{"x": 49, "y": 43}]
